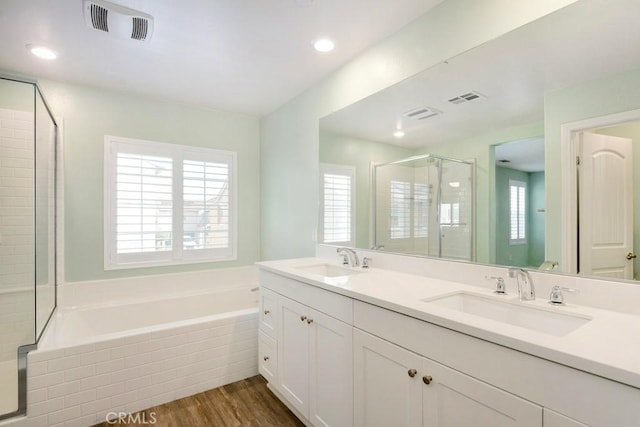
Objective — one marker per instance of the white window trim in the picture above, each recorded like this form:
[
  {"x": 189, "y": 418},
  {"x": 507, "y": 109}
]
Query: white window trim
[
  {"x": 177, "y": 256},
  {"x": 346, "y": 170},
  {"x": 519, "y": 184}
]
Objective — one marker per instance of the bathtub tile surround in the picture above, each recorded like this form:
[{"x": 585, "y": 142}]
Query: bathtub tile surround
[
  {"x": 101, "y": 353},
  {"x": 129, "y": 374}
]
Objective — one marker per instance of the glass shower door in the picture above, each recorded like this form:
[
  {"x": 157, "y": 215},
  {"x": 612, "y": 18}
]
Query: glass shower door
[
  {"x": 17, "y": 234},
  {"x": 27, "y": 233}
]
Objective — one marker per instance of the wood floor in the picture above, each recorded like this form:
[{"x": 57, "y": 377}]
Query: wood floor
[{"x": 244, "y": 403}]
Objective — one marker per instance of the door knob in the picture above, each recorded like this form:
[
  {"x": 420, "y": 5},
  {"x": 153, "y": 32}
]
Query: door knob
[
  {"x": 631, "y": 255},
  {"x": 412, "y": 373}
]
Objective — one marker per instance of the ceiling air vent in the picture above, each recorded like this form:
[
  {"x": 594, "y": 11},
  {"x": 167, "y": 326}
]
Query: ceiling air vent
[
  {"x": 421, "y": 113},
  {"x": 466, "y": 97},
  {"x": 117, "y": 20}
]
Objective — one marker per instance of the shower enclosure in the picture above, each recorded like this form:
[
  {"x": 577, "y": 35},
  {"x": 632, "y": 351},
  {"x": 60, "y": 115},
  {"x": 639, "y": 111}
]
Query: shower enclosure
[
  {"x": 27, "y": 232},
  {"x": 424, "y": 205}
]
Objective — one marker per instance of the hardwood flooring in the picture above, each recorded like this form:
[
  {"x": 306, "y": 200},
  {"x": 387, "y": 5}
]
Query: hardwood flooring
[{"x": 244, "y": 403}]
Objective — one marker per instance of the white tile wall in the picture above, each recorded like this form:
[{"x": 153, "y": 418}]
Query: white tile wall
[
  {"x": 79, "y": 386},
  {"x": 16, "y": 232}
]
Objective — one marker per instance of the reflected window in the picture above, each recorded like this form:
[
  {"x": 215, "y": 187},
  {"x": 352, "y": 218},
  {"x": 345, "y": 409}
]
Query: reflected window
[
  {"x": 400, "y": 220},
  {"x": 337, "y": 204},
  {"x": 517, "y": 212},
  {"x": 450, "y": 214}
]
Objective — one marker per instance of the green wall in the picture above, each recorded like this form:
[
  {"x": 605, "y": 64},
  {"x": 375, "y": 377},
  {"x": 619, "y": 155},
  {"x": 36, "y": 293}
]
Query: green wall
[
  {"x": 290, "y": 135},
  {"x": 531, "y": 253},
  {"x": 537, "y": 218},
  {"x": 87, "y": 114},
  {"x": 345, "y": 150}
]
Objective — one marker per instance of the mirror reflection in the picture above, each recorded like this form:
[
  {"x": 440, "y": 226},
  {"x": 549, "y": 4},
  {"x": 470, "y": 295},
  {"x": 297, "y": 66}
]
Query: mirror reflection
[{"x": 521, "y": 109}]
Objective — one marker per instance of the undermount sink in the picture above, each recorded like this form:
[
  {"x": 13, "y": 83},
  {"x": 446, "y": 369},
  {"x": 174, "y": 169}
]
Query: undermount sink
[
  {"x": 512, "y": 313},
  {"x": 327, "y": 270}
]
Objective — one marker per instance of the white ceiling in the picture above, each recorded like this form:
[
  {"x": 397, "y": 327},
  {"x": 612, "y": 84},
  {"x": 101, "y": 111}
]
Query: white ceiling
[
  {"x": 237, "y": 55},
  {"x": 587, "y": 40},
  {"x": 525, "y": 155}
]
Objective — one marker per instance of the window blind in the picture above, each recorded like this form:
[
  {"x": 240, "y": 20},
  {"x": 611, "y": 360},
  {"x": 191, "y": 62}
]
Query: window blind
[
  {"x": 205, "y": 205},
  {"x": 167, "y": 204},
  {"x": 517, "y": 207},
  {"x": 421, "y": 196},
  {"x": 400, "y": 197},
  {"x": 337, "y": 216},
  {"x": 144, "y": 203}
]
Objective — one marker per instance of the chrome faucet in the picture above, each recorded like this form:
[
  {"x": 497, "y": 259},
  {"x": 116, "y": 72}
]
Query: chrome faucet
[
  {"x": 526, "y": 290},
  {"x": 350, "y": 257}
]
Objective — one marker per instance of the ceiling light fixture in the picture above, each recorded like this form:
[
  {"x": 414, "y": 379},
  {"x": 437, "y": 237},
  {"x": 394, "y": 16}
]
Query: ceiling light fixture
[
  {"x": 323, "y": 45},
  {"x": 42, "y": 52},
  {"x": 398, "y": 134}
]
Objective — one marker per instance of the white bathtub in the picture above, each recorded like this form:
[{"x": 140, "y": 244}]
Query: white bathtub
[
  {"x": 77, "y": 326},
  {"x": 127, "y": 354}
]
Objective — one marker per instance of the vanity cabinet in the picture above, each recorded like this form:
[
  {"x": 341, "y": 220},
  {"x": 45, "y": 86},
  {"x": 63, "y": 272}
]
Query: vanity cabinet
[
  {"x": 314, "y": 353},
  {"x": 394, "y": 386},
  {"x": 338, "y": 361}
]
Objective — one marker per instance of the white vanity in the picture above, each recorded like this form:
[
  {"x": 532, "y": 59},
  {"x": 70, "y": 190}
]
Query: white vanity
[{"x": 376, "y": 347}]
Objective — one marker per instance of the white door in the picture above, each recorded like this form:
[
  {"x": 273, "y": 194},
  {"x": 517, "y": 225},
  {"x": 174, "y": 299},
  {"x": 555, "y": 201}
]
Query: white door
[
  {"x": 330, "y": 372},
  {"x": 605, "y": 206},
  {"x": 453, "y": 399},
  {"x": 387, "y": 383},
  {"x": 293, "y": 354}
]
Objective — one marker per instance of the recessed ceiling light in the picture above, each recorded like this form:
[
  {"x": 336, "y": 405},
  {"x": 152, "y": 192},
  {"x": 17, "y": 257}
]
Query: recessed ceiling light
[
  {"x": 454, "y": 184},
  {"x": 42, "y": 52},
  {"x": 323, "y": 45},
  {"x": 398, "y": 134}
]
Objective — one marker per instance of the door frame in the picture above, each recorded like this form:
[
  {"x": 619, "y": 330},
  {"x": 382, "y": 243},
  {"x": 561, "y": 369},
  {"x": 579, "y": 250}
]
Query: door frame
[{"x": 569, "y": 179}]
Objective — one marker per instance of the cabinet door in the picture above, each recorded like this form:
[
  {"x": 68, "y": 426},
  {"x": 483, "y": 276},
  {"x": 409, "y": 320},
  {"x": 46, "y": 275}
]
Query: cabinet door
[
  {"x": 385, "y": 393},
  {"x": 453, "y": 399},
  {"x": 330, "y": 372},
  {"x": 293, "y": 354}
]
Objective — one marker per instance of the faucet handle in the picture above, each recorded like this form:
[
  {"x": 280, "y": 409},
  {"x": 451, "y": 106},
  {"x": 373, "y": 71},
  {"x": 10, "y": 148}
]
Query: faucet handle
[
  {"x": 556, "y": 297},
  {"x": 500, "y": 286},
  {"x": 365, "y": 262}
]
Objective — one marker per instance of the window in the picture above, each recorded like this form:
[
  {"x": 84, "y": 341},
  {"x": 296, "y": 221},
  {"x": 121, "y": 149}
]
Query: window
[
  {"x": 517, "y": 212},
  {"x": 167, "y": 204},
  {"x": 337, "y": 204},
  {"x": 421, "y": 202},
  {"x": 400, "y": 225},
  {"x": 450, "y": 214}
]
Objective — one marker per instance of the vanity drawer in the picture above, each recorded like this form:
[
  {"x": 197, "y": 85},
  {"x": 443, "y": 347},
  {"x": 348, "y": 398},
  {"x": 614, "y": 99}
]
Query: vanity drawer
[
  {"x": 269, "y": 312},
  {"x": 331, "y": 303},
  {"x": 267, "y": 357}
]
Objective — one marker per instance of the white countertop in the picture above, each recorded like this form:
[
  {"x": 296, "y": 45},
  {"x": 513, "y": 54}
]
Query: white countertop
[{"x": 608, "y": 345}]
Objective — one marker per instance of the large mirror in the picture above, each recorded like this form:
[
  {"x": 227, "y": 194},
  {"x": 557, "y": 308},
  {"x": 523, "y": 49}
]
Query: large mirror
[{"x": 521, "y": 109}]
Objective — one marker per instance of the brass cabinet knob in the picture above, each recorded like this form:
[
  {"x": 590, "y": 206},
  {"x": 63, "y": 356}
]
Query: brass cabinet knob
[
  {"x": 427, "y": 379},
  {"x": 412, "y": 373},
  {"x": 309, "y": 321},
  {"x": 267, "y": 312},
  {"x": 303, "y": 318},
  {"x": 265, "y": 358}
]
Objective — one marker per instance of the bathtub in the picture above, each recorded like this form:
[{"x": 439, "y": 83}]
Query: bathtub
[{"x": 124, "y": 355}]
